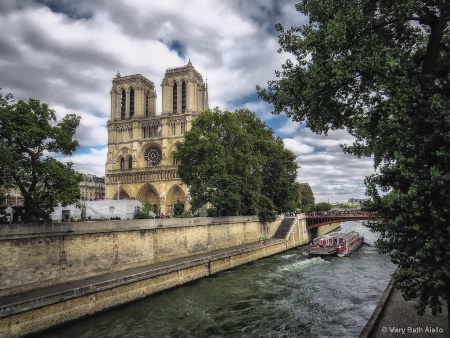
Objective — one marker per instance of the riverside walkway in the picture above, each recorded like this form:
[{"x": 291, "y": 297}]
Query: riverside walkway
[
  {"x": 395, "y": 317},
  {"x": 55, "y": 293}
]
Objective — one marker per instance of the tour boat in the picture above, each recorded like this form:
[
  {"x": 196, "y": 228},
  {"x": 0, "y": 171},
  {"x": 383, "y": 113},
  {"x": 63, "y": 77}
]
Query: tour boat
[
  {"x": 339, "y": 243},
  {"x": 349, "y": 242},
  {"x": 321, "y": 246}
]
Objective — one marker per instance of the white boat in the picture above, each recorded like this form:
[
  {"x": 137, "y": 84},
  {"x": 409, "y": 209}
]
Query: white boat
[
  {"x": 338, "y": 243},
  {"x": 348, "y": 242},
  {"x": 321, "y": 246}
]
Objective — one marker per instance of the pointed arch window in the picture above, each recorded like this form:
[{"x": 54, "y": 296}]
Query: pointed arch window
[
  {"x": 131, "y": 102},
  {"x": 146, "y": 104},
  {"x": 123, "y": 104},
  {"x": 174, "y": 102},
  {"x": 174, "y": 160},
  {"x": 122, "y": 163},
  {"x": 183, "y": 127},
  {"x": 183, "y": 97},
  {"x": 130, "y": 162}
]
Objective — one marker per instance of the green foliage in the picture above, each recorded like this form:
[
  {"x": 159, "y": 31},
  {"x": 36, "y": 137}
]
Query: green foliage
[
  {"x": 307, "y": 199},
  {"x": 147, "y": 208},
  {"x": 28, "y": 134},
  {"x": 211, "y": 212},
  {"x": 322, "y": 206},
  {"x": 144, "y": 213},
  {"x": 266, "y": 209},
  {"x": 141, "y": 215},
  {"x": 342, "y": 206},
  {"x": 232, "y": 159},
  {"x": 368, "y": 206},
  {"x": 381, "y": 70},
  {"x": 178, "y": 208}
]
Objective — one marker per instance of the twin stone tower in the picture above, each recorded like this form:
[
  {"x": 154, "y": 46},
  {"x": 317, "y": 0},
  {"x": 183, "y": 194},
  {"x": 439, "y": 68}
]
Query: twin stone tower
[{"x": 140, "y": 163}]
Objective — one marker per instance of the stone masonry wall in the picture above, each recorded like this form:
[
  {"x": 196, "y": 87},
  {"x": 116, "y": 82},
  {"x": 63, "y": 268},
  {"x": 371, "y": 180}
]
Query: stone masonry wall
[{"x": 30, "y": 262}]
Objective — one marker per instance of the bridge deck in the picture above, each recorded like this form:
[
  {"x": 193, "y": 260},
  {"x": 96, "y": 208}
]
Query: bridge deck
[{"x": 315, "y": 219}]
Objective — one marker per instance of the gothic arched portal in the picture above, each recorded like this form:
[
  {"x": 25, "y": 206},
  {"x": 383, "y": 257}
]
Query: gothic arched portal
[
  {"x": 148, "y": 193},
  {"x": 175, "y": 194}
]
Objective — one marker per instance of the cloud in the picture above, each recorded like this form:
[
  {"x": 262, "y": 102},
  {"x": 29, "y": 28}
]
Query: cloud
[
  {"x": 66, "y": 54},
  {"x": 297, "y": 147},
  {"x": 89, "y": 161}
]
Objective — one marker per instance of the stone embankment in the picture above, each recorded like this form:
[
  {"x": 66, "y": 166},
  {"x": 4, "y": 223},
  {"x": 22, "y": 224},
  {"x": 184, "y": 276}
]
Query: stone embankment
[{"x": 61, "y": 275}]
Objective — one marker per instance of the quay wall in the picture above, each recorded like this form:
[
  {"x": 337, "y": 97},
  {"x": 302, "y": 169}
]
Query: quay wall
[
  {"x": 55, "y": 309},
  {"x": 33, "y": 260},
  {"x": 41, "y": 318}
]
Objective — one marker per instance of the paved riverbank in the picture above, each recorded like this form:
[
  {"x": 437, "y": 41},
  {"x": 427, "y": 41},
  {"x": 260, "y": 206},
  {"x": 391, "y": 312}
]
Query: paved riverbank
[{"x": 394, "y": 317}]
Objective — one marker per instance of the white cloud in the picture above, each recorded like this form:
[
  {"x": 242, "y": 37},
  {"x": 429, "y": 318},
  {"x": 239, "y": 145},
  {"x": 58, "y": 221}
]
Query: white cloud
[
  {"x": 92, "y": 162},
  {"x": 297, "y": 147},
  {"x": 67, "y": 56}
]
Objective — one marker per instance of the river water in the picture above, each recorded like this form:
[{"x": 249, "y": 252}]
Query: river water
[{"x": 286, "y": 295}]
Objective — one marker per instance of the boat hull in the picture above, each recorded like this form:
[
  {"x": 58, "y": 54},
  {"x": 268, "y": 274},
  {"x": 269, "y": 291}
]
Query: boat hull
[
  {"x": 339, "y": 244},
  {"x": 319, "y": 251},
  {"x": 349, "y": 250}
]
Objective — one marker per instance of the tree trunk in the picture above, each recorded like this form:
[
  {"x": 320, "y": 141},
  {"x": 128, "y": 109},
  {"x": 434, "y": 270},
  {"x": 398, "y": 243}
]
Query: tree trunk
[{"x": 29, "y": 212}]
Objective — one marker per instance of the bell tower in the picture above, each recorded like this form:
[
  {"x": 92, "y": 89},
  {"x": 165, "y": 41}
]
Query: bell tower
[
  {"x": 132, "y": 96},
  {"x": 184, "y": 91},
  {"x": 141, "y": 144}
]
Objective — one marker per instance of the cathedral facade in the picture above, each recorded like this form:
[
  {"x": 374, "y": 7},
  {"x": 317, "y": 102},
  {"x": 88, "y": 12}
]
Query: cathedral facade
[{"x": 141, "y": 144}]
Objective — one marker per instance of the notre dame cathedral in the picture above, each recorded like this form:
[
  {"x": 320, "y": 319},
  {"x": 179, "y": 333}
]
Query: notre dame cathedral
[{"x": 141, "y": 145}]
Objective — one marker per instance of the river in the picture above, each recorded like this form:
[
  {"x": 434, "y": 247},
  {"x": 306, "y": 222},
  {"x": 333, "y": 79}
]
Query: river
[{"x": 286, "y": 295}]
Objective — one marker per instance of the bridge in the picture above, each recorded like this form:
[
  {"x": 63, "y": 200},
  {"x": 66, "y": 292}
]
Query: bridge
[{"x": 316, "y": 219}]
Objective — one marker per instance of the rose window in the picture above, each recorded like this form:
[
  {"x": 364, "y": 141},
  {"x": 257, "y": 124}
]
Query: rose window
[{"x": 153, "y": 156}]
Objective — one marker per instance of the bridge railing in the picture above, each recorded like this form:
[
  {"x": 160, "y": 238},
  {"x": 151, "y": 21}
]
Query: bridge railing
[{"x": 351, "y": 213}]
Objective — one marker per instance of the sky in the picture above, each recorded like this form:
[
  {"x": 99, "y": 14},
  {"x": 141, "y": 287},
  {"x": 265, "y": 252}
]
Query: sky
[{"x": 66, "y": 53}]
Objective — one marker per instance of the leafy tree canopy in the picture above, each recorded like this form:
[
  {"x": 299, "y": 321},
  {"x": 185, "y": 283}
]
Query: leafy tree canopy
[
  {"x": 322, "y": 206},
  {"x": 178, "y": 209},
  {"x": 29, "y": 134},
  {"x": 307, "y": 199},
  {"x": 380, "y": 69},
  {"x": 233, "y": 161}
]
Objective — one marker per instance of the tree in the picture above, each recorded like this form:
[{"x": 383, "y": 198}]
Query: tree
[
  {"x": 322, "y": 206},
  {"x": 29, "y": 135},
  {"x": 144, "y": 212},
  {"x": 279, "y": 176},
  {"x": 231, "y": 160},
  {"x": 307, "y": 199},
  {"x": 178, "y": 209},
  {"x": 380, "y": 69},
  {"x": 367, "y": 206}
]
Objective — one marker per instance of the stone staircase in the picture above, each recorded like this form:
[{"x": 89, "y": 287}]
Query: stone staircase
[{"x": 284, "y": 227}]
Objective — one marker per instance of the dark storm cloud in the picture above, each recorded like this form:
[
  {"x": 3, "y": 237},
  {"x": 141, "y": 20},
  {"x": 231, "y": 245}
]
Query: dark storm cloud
[
  {"x": 134, "y": 23},
  {"x": 71, "y": 8},
  {"x": 8, "y": 49},
  {"x": 54, "y": 83},
  {"x": 265, "y": 13},
  {"x": 178, "y": 47},
  {"x": 7, "y": 6},
  {"x": 79, "y": 54},
  {"x": 40, "y": 67}
]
